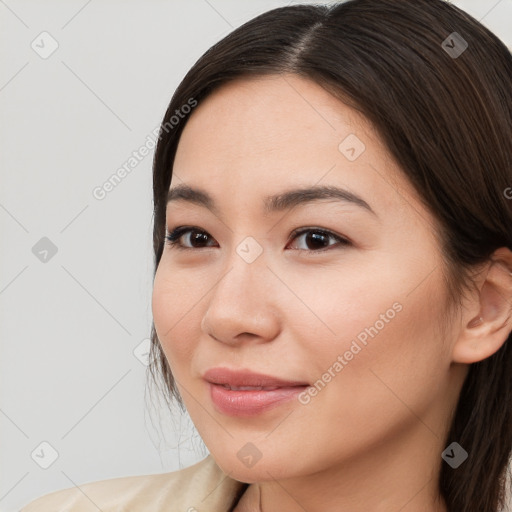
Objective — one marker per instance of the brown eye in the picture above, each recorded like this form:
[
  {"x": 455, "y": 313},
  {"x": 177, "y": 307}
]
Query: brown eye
[
  {"x": 315, "y": 239},
  {"x": 195, "y": 238}
]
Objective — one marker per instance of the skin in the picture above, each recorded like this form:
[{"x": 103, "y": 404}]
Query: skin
[{"x": 372, "y": 438}]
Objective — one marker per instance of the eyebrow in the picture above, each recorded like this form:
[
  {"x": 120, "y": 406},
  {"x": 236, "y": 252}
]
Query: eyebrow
[{"x": 275, "y": 203}]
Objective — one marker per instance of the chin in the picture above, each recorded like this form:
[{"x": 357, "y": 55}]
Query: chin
[{"x": 247, "y": 471}]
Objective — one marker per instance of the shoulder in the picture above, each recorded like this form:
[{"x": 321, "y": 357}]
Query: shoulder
[{"x": 200, "y": 487}]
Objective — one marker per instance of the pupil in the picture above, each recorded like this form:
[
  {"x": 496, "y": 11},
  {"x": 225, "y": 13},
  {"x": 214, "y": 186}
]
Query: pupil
[
  {"x": 196, "y": 237},
  {"x": 315, "y": 238}
]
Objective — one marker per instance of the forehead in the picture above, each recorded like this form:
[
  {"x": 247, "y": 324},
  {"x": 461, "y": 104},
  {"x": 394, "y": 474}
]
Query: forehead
[
  {"x": 276, "y": 113},
  {"x": 264, "y": 133}
]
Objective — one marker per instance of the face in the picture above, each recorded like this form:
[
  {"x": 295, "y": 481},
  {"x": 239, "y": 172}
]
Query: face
[{"x": 336, "y": 298}]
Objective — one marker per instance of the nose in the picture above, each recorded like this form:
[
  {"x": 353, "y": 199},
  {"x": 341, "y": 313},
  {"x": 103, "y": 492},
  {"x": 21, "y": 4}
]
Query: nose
[{"x": 242, "y": 306}]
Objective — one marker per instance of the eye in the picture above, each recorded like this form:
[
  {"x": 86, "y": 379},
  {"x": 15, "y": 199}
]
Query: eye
[
  {"x": 314, "y": 239},
  {"x": 317, "y": 239},
  {"x": 194, "y": 235}
]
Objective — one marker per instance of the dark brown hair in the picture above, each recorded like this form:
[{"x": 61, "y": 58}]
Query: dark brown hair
[{"x": 447, "y": 120}]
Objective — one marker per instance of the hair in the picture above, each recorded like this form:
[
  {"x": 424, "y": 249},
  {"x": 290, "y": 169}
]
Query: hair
[{"x": 447, "y": 121}]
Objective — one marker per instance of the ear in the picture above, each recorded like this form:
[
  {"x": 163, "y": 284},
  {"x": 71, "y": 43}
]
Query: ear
[{"x": 488, "y": 318}]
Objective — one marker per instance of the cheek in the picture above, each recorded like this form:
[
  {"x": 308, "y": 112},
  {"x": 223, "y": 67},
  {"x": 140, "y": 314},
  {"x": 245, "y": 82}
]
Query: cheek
[
  {"x": 371, "y": 330},
  {"x": 337, "y": 306},
  {"x": 389, "y": 359},
  {"x": 175, "y": 315}
]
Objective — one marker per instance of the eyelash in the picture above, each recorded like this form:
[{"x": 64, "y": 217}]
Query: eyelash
[{"x": 172, "y": 238}]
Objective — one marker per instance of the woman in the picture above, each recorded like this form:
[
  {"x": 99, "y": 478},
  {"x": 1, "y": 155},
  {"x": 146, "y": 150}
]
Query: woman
[{"x": 332, "y": 298}]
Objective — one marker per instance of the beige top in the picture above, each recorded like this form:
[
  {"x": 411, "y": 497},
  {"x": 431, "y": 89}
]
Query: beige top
[{"x": 202, "y": 487}]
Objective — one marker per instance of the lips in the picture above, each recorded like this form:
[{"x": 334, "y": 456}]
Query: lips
[
  {"x": 238, "y": 378},
  {"x": 250, "y": 388},
  {"x": 244, "y": 393}
]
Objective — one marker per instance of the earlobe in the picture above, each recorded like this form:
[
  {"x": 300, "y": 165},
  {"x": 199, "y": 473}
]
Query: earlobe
[{"x": 486, "y": 331}]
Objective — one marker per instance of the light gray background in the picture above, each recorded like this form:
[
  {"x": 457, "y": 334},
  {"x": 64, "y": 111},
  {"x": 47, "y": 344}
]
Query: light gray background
[{"x": 69, "y": 326}]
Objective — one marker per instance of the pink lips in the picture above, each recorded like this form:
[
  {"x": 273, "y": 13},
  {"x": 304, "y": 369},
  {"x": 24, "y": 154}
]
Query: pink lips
[{"x": 244, "y": 393}]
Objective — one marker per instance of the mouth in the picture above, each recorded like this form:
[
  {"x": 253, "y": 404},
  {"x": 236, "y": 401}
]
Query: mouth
[
  {"x": 248, "y": 388},
  {"x": 248, "y": 379},
  {"x": 244, "y": 393}
]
